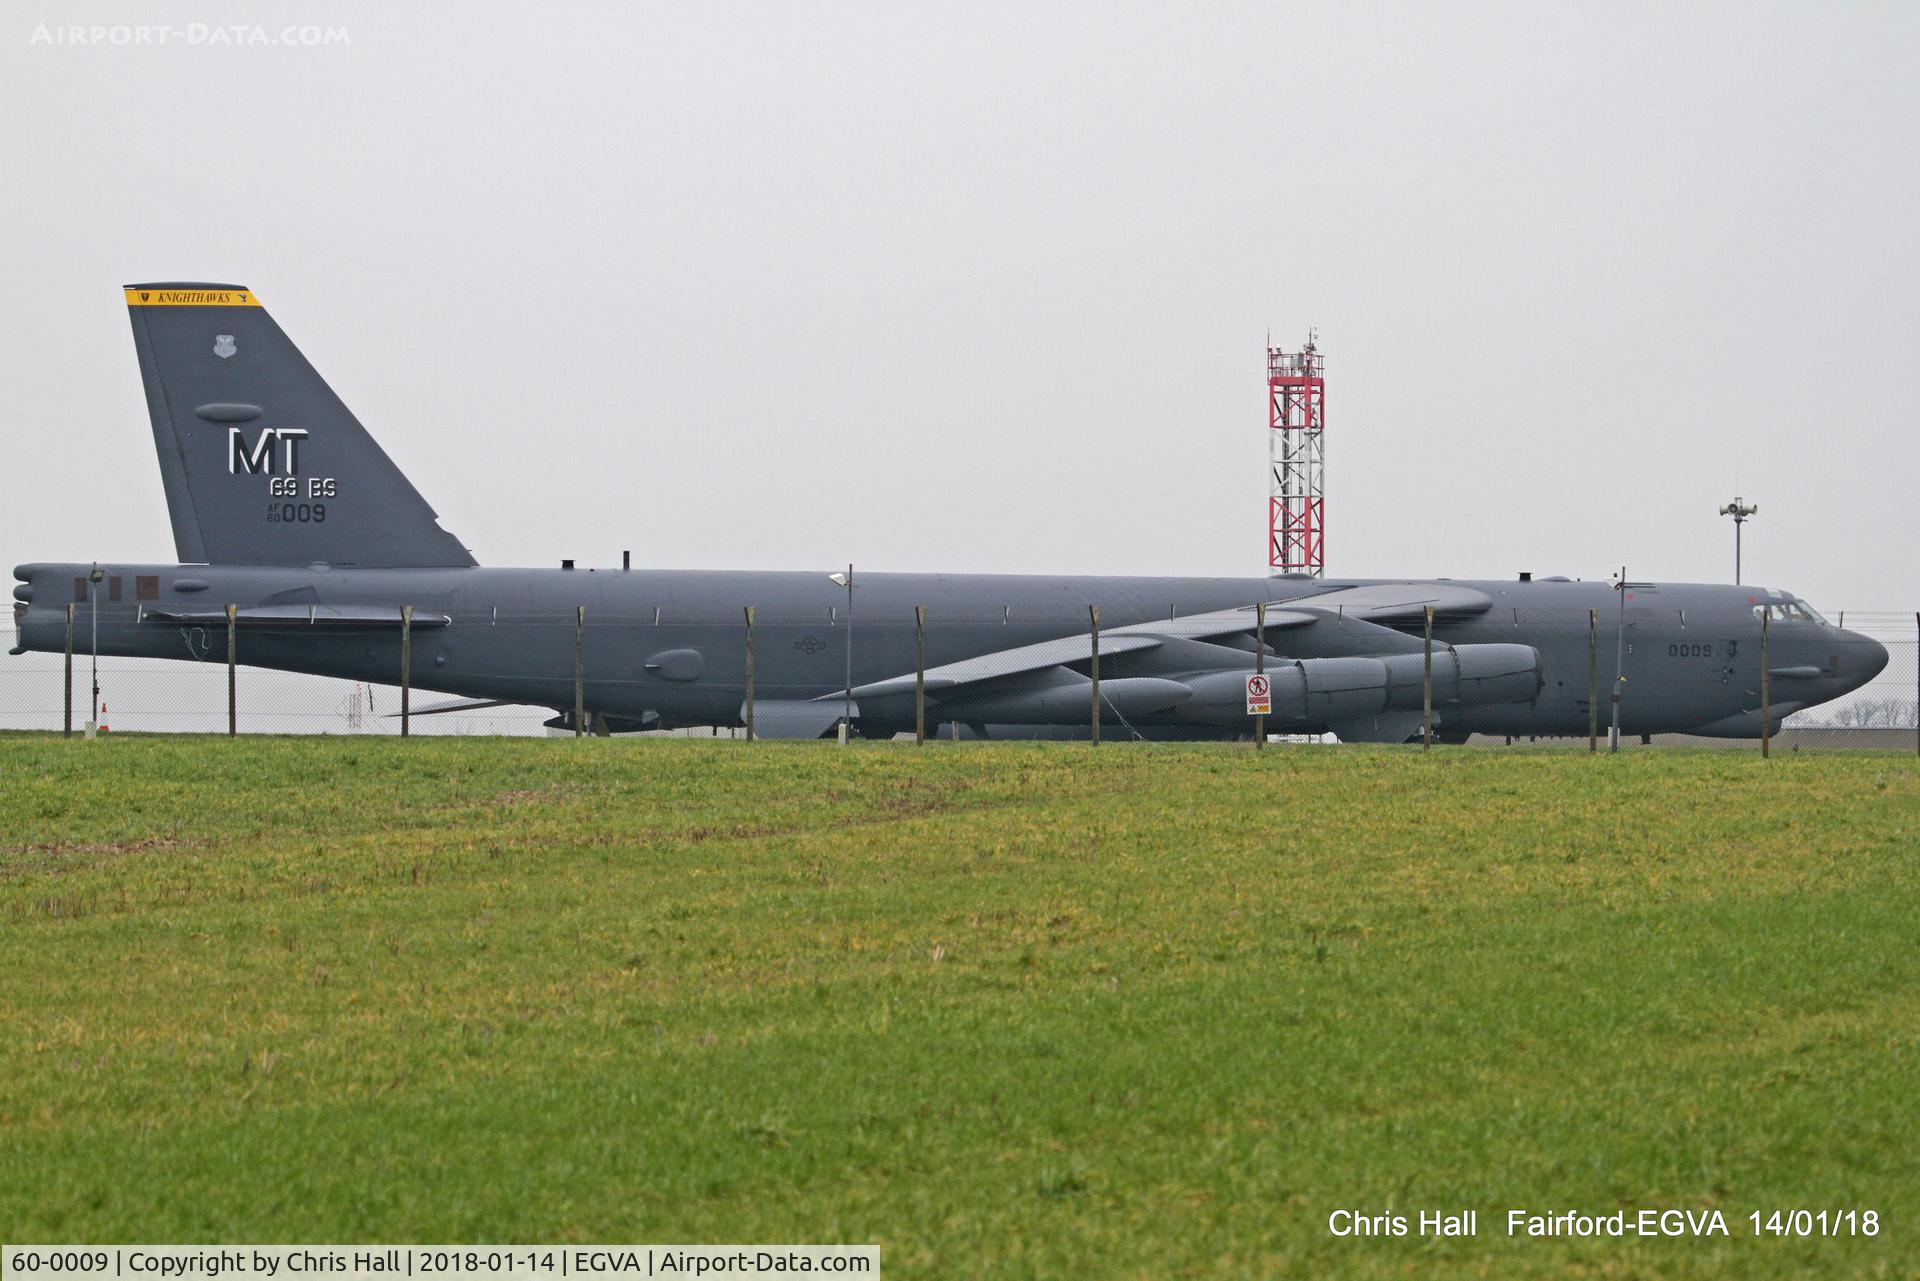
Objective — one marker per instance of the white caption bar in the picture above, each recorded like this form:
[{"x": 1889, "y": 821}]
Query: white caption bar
[{"x": 435, "y": 1262}]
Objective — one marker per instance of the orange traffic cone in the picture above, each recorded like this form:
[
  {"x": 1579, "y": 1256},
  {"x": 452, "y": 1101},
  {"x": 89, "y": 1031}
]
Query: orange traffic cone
[{"x": 103, "y": 718}]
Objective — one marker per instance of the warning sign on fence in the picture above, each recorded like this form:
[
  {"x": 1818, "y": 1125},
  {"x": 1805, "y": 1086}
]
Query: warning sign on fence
[{"x": 1259, "y": 696}]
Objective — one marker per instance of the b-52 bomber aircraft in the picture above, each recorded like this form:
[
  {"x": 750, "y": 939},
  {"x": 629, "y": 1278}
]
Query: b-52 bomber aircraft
[{"x": 284, "y": 506}]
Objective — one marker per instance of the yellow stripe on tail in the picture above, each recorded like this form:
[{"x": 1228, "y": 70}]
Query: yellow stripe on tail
[{"x": 192, "y": 298}]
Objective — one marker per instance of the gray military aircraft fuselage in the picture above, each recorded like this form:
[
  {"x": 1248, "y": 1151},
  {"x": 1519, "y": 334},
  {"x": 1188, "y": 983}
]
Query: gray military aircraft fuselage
[{"x": 286, "y": 509}]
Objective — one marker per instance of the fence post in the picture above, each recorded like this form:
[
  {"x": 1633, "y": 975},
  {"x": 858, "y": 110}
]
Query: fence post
[
  {"x": 749, "y": 611},
  {"x": 919, "y": 673},
  {"x": 1916, "y": 668},
  {"x": 1093, "y": 612},
  {"x": 579, "y": 670},
  {"x": 1766, "y": 687},
  {"x": 1593, "y": 681},
  {"x": 406, "y": 670},
  {"x": 233, "y": 685},
  {"x": 1619, "y": 662},
  {"x": 1260, "y": 669},
  {"x": 67, "y": 731},
  {"x": 1426, "y": 688}
]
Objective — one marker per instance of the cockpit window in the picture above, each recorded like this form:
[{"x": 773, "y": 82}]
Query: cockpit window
[{"x": 1792, "y": 611}]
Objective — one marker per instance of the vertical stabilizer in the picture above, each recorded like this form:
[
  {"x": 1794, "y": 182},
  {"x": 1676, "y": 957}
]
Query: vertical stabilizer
[{"x": 262, "y": 463}]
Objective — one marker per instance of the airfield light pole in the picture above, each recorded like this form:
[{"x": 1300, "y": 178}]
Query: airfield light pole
[
  {"x": 1739, "y": 511},
  {"x": 846, "y": 715},
  {"x": 93, "y": 605}
]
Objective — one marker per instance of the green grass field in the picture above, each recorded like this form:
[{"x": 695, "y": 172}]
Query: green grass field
[{"x": 1045, "y": 1011}]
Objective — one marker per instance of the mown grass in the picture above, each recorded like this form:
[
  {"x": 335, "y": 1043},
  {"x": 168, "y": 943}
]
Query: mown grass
[{"x": 1007, "y": 1010}]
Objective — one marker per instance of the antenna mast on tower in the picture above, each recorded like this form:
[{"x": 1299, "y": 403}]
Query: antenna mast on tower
[{"x": 1296, "y": 460}]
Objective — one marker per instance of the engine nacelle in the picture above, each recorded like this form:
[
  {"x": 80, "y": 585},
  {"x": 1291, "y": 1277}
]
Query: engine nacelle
[
  {"x": 1068, "y": 702},
  {"x": 1322, "y": 691}
]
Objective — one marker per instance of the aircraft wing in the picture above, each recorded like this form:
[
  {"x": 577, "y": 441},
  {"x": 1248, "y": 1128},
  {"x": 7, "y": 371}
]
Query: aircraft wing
[
  {"x": 1373, "y": 607},
  {"x": 1397, "y": 602},
  {"x": 1017, "y": 661},
  {"x": 1337, "y": 647}
]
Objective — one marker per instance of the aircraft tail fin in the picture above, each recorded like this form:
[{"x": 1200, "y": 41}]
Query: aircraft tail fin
[{"x": 262, "y": 463}]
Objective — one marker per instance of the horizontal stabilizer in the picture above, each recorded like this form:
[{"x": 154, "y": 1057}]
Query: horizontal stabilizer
[{"x": 382, "y": 616}]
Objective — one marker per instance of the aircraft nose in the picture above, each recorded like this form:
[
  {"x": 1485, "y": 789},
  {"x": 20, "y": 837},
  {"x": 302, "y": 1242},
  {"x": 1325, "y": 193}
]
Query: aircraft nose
[{"x": 1862, "y": 659}]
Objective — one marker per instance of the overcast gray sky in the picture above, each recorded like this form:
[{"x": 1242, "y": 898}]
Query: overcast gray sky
[{"x": 968, "y": 287}]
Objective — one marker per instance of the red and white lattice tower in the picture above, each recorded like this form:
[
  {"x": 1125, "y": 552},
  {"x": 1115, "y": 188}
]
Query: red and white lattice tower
[{"x": 1297, "y": 497}]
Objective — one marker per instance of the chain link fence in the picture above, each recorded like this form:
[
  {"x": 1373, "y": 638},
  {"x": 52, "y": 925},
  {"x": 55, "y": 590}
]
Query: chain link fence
[
  {"x": 188, "y": 696},
  {"x": 1892, "y": 699},
  {"x": 797, "y": 654}
]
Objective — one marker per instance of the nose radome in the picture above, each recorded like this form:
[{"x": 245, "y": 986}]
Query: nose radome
[
  {"x": 1878, "y": 659},
  {"x": 1866, "y": 658}
]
